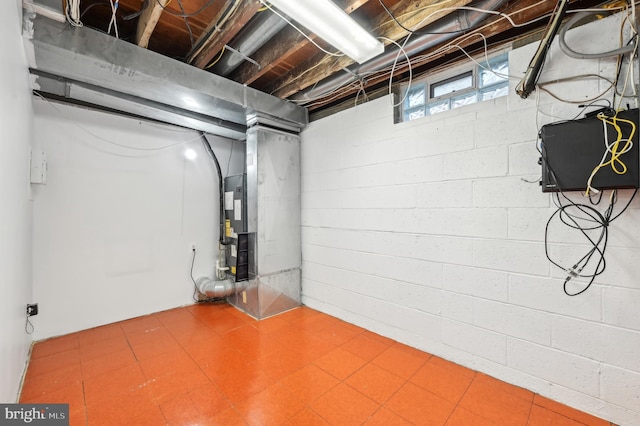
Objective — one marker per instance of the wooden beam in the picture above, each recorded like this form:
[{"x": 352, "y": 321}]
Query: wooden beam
[
  {"x": 148, "y": 21},
  {"x": 213, "y": 40},
  {"x": 418, "y": 11},
  {"x": 279, "y": 48},
  {"x": 199, "y": 44}
]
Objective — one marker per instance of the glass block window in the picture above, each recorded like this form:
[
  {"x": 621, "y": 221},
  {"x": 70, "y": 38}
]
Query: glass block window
[
  {"x": 468, "y": 99},
  {"x": 437, "y": 107},
  {"x": 494, "y": 72},
  {"x": 412, "y": 114},
  {"x": 484, "y": 81},
  {"x": 415, "y": 97},
  {"x": 451, "y": 85}
]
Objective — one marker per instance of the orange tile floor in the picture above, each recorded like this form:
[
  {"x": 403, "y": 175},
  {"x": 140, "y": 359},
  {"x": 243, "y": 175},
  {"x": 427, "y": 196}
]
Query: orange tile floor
[{"x": 213, "y": 365}]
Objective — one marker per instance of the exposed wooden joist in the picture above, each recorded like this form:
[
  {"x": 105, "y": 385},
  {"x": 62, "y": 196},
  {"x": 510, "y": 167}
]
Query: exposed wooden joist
[
  {"x": 148, "y": 21},
  {"x": 417, "y": 11},
  {"x": 213, "y": 39},
  {"x": 279, "y": 48}
]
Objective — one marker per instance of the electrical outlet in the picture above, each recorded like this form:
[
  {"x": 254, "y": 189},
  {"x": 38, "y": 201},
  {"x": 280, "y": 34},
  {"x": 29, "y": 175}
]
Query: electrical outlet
[
  {"x": 192, "y": 246},
  {"x": 32, "y": 309}
]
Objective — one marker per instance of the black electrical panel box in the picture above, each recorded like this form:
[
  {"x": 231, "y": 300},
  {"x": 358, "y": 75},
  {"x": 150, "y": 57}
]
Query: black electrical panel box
[
  {"x": 236, "y": 226},
  {"x": 571, "y": 150}
]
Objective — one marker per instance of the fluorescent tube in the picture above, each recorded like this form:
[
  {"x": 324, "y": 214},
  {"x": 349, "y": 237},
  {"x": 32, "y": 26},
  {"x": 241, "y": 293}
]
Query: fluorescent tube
[{"x": 333, "y": 25}]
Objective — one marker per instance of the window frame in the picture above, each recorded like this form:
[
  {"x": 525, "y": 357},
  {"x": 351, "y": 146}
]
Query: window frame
[
  {"x": 459, "y": 76},
  {"x": 435, "y": 104}
]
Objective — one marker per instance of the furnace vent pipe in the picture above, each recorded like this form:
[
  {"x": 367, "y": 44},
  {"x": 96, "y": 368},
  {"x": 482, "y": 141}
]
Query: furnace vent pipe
[
  {"x": 462, "y": 21},
  {"x": 218, "y": 289}
]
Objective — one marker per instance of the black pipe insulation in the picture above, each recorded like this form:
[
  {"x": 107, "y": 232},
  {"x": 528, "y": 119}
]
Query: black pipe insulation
[{"x": 212, "y": 154}]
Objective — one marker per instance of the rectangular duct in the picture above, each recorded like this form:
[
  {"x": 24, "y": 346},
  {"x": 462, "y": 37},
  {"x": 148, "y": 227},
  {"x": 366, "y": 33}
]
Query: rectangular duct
[
  {"x": 85, "y": 65},
  {"x": 273, "y": 223}
]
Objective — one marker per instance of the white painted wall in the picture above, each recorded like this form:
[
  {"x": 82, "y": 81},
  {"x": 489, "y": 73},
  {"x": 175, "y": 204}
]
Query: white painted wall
[
  {"x": 424, "y": 232},
  {"x": 113, "y": 226},
  {"x": 16, "y": 118}
]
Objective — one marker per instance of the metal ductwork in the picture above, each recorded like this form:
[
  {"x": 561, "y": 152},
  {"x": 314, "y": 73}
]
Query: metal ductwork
[
  {"x": 273, "y": 187},
  {"x": 261, "y": 210},
  {"x": 460, "y": 21},
  {"x": 252, "y": 38},
  {"x": 84, "y": 65}
]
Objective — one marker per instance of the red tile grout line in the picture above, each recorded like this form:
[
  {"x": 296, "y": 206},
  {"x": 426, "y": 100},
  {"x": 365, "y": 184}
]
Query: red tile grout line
[
  {"x": 530, "y": 409},
  {"x": 461, "y": 397},
  {"x": 344, "y": 381},
  {"x": 404, "y": 384},
  {"x": 84, "y": 398},
  {"x": 126, "y": 336},
  {"x": 391, "y": 396},
  {"x": 232, "y": 405}
]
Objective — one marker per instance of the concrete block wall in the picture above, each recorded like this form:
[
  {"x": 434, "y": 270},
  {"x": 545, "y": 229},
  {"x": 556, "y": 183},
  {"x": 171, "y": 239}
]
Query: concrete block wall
[{"x": 426, "y": 232}]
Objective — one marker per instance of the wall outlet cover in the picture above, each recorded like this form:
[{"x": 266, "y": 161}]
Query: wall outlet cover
[{"x": 32, "y": 309}]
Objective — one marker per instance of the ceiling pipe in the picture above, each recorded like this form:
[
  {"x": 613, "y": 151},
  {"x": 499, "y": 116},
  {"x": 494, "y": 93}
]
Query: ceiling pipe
[
  {"x": 459, "y": 22},
  {"x": 252, "y": 38}
]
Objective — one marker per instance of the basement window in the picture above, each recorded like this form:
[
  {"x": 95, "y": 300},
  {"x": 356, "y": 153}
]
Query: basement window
[
  {"x": 451, "y": 85},
  {"x": 476, "y": 83}
]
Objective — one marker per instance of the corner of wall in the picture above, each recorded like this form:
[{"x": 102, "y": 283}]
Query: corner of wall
[{"x": 16, "y": 120}]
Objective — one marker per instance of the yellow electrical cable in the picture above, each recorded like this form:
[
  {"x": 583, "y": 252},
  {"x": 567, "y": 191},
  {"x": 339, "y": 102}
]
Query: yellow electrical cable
[
  {"x": 615, "y": 160},
  {"x": 217, "y": 59},
  {"x": 615, "y": 153}
]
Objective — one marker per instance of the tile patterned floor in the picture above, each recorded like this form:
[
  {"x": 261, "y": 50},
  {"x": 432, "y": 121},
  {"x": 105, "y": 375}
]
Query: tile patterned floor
[{"x": 213, "y": 365}]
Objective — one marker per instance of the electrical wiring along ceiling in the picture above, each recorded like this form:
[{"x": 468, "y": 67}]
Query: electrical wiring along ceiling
[{"x": 245, "y": 41}]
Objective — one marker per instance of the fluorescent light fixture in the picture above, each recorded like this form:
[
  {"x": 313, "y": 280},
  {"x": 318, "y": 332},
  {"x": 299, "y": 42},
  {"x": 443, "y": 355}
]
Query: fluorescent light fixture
[{"x": 333, "y": 25}]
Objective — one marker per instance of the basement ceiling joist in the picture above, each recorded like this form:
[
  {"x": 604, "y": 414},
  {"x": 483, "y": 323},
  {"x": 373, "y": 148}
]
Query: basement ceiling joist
[{"x": 233, "y": 38}]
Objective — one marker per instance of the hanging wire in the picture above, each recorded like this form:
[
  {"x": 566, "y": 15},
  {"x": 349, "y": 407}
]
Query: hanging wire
[
  {"x": 114, "y": 9},
  {"x": 183, "y": 14},
  {"x": 72, "y": 13},
  {"x": 393, "y": 67},
  {"x": 186, "y": 22}
]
